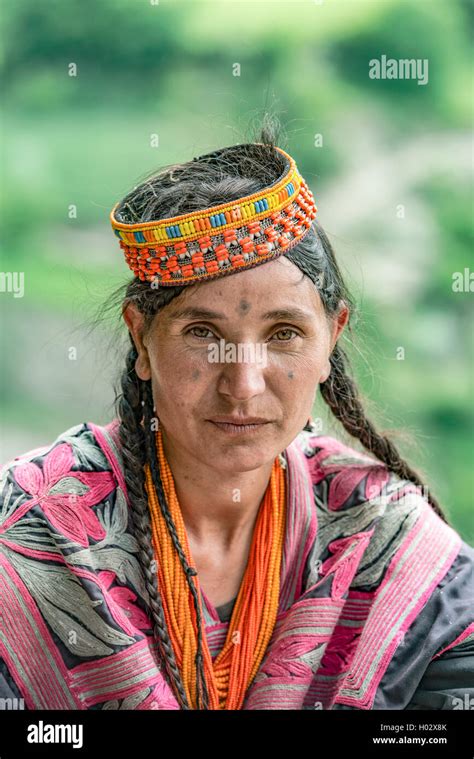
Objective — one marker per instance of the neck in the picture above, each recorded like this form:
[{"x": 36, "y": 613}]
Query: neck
[{"x": 217, "y": 507}]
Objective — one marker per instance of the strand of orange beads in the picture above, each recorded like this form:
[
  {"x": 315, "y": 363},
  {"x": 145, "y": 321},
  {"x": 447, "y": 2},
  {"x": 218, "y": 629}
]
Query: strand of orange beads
[{"x": 255, "y": 611}]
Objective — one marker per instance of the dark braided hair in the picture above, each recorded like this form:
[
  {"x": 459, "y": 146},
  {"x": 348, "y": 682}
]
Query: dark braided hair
[
  {"x": 182, "y": 188},
  {"x": 202, "y": 694},
  {"x": 134, "y": 448}
]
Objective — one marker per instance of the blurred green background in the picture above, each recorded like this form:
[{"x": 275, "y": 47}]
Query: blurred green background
[{"x": 391, "y": 181}]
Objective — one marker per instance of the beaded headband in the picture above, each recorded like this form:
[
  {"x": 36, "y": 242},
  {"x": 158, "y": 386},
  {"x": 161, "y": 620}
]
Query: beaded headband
[{"x": 223, "y": 239}]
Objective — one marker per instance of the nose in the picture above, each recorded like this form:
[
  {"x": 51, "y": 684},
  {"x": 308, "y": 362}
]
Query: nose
[{"x": 242, "y": 380}]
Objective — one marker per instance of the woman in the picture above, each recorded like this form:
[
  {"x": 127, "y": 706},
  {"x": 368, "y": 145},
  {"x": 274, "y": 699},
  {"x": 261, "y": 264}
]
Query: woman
[{"x": 208, "y": 549}]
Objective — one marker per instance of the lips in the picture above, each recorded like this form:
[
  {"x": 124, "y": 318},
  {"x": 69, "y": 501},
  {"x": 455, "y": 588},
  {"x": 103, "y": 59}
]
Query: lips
[
  {"x": 239, "y": 420},
  {"x": 239, "y": 426}
]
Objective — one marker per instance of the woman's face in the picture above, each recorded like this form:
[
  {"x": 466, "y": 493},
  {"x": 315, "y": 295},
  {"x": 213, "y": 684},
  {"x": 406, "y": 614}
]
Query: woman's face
[{"x": 272, "y": 318}]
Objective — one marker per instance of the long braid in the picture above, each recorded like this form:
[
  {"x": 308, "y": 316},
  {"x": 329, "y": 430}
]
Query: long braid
[
  {"x": 341, "y": 394},
  {"x": 152, "y": 452},
  {"x": 133, "y": 444}
]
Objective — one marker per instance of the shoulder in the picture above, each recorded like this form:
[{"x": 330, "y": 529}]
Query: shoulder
[
  {"x": 413, "y": 570},
  {"x": 57, "y": 484},
  {"x": 80, "y": 440},
  {"x": 358, "y": 499},
  {"x": 69, "y": 575},
  {"x": 342, "y": 476},
  {"x": 355, "y": 488}
]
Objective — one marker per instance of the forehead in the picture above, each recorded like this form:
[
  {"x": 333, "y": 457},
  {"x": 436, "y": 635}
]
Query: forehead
[{"x": 275, "y": 285}]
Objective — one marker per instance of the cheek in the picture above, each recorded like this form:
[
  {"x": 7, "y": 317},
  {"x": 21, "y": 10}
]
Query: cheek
[
  {"x": 179, "y": 378},
  {"x": 297, "y": 388},
  {"x": 298, "y": 376},
  {"x": 300, "y": 368}
]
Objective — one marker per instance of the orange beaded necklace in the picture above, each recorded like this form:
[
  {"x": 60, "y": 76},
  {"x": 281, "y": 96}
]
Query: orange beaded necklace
[{"x": 255, "y": 611}]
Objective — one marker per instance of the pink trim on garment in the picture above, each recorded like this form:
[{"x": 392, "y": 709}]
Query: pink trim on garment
[
  {"x": 120, "y": 675},
  {"x": 36, "y": 667},
  {"x": 467, "y": 632}
]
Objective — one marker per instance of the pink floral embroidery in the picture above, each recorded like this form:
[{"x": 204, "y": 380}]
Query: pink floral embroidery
[
  {"x": 69, "y": 512},
  {"x": 125, "y": 599},
  {"x": 344, "y": 562},
  {"x": 340, "y": 651}
]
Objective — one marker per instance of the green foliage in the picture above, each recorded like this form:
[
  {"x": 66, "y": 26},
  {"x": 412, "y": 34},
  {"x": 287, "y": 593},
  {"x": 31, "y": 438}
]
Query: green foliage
[{"x": 166, "y": 69}]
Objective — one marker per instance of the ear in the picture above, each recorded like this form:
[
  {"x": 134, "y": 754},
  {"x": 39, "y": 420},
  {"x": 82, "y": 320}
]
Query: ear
[
  {"x": 338, "y": 325},
  {"x": 135, "y": 323}
]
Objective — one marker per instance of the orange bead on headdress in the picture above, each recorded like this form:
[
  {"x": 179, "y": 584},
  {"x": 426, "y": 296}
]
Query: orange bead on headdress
[{"x": 223, "y": 239}]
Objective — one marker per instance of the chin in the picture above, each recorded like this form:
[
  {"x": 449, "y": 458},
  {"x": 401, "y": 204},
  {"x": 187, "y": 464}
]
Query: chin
[
  {"x": 246, "y": 461},
  {"x": 241, "y": 456}
]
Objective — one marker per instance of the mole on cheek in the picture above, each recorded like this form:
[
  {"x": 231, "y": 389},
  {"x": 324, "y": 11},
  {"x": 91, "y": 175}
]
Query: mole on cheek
[
  {"x": 290, "y": 375},
  {"x": 244, "y": 307},
  {"x": 196, "y": 374}
]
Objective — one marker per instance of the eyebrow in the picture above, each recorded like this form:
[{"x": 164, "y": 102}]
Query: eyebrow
[{"x": 293, "y": 313}]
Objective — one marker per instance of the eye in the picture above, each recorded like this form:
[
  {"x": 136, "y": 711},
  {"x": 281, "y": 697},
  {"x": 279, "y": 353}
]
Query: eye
[
  {"x": 203, "y": 329},
  {"x": 284, "y": 331}
]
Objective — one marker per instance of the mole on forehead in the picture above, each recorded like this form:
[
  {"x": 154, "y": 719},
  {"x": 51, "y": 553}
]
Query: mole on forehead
[{"x": 244, "y": 306}]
